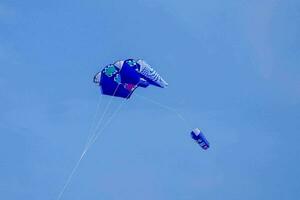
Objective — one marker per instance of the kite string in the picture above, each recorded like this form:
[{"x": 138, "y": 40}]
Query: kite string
[
  {"x": 82, "y": 154},
  {"x": 100, "y": 130},
  {"x": 101, "y": 119},
  {"x": 70, "y": 176},
  {"x": 87, "y": 146},
  {"x": 90, "y": 132},
  {"x": 107, "y": 123}
]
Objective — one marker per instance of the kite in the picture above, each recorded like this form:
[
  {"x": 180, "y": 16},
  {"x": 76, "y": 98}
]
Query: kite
[
  {"x": 199, "y": 137},
  {"x": 123, "y": 77}
]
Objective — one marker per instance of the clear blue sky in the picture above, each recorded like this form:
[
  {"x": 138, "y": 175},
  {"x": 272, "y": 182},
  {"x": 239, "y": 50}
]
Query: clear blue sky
[{"x": 233, "y": 71}]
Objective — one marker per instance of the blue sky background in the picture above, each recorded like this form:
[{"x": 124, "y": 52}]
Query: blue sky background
[{"x": 233, "y": 71}]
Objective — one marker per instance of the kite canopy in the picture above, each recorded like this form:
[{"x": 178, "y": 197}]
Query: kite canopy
[{"x": 123, "y": 77}]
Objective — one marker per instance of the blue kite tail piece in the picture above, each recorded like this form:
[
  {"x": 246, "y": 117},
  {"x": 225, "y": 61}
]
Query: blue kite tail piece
[{"x": 199, "y": 137}]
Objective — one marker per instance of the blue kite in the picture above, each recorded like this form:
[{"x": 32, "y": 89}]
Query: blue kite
[
  {"x": 199, "y": 137},
  {"x": 123, "y": 77}
]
